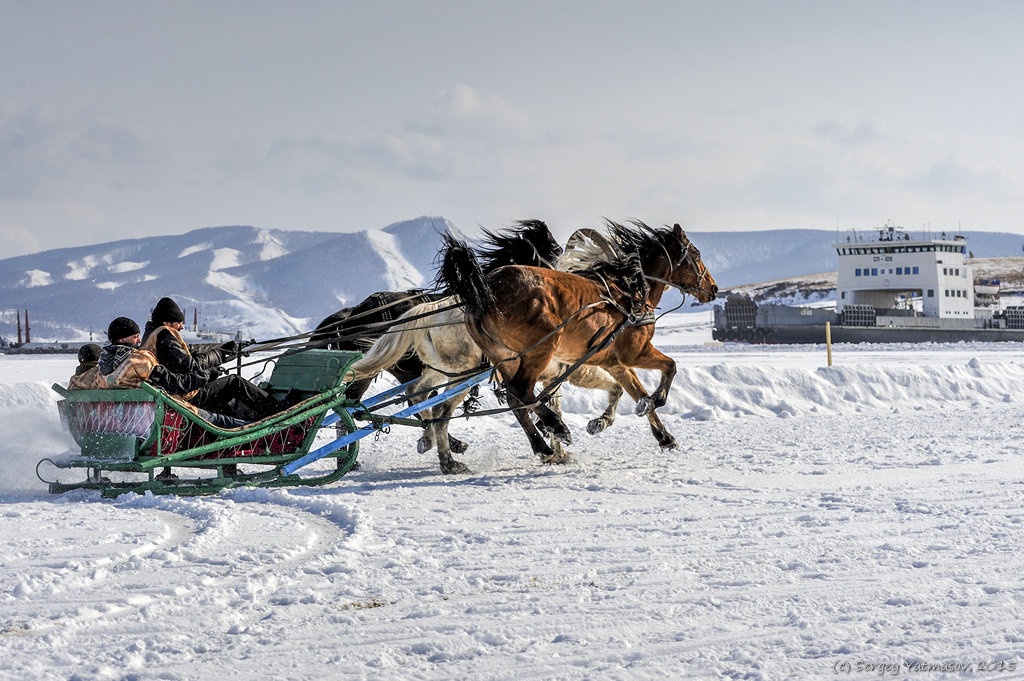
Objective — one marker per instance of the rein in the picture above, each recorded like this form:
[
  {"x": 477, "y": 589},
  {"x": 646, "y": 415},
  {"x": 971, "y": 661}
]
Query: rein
[{"x": 359, "y": 332}]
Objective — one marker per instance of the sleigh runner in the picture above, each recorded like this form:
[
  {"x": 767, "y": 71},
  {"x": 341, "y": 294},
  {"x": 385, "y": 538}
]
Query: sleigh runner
[{"x": 143, "y": 430}]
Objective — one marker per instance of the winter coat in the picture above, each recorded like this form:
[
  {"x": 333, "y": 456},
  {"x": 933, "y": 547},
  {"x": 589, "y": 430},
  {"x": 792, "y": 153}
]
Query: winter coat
[
  {"x": 173, "y": 352},
  {"x": 125, "y": 366}
]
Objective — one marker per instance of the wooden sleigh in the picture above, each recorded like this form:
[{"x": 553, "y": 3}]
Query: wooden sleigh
[{"x": 143, "y": 430}]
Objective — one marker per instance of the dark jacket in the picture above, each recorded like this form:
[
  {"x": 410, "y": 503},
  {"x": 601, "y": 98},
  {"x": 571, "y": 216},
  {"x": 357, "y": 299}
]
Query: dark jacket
[{"x": 175, "y": 354}]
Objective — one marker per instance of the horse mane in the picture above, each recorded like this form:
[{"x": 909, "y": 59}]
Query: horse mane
[
  {"x": 459, "y": 272},
  {"x": 614, "y": 257},
  {"x": 649, "y": 242},
  {"x": 530, "y": 242}
]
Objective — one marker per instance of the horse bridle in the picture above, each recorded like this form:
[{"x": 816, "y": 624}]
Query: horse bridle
[{"x": 688, "y": 257}]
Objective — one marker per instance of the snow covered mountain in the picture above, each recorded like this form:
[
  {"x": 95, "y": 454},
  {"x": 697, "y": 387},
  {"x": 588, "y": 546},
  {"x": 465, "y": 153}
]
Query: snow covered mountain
[
  {"x": 262, "y": 282},
  {"x": 269, "y": 282}
]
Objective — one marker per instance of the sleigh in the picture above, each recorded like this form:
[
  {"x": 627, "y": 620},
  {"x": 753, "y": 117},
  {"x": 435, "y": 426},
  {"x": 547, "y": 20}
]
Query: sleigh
[{"x": 136, "y": 433}]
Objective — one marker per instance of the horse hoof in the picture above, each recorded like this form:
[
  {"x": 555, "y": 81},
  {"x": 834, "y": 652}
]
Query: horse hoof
[
  {"x": 454, "y": 467},
  {"x": 560, "y": 458},
  {"x": 671, "y": 444},
  {"x": 457, "y": 446},
  {"x": 644, "y": 406},
  {"x": 596, "y": 426},
  {"x": 424, "y": 445},
  {"x": 563, "y": 436}
]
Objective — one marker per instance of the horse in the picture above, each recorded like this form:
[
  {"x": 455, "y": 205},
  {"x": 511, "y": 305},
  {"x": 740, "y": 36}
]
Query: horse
[
  {"x": 435, "y": 333},
  {"x": 528, "y": 242},
  {"x": 523, "y": 318}
]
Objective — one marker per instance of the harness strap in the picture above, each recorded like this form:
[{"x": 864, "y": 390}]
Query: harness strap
[{"x": 422, "y": 295}]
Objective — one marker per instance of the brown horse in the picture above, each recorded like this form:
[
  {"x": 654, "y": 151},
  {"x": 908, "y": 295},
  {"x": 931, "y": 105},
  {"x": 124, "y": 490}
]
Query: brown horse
[{"x": 523, "y": 318}]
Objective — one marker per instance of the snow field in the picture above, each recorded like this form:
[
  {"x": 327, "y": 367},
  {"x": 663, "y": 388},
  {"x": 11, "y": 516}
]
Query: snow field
[{"x": 864, "y": 514}]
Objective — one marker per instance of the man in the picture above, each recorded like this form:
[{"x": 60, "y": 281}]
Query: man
[{"x": 226, "y": 394}]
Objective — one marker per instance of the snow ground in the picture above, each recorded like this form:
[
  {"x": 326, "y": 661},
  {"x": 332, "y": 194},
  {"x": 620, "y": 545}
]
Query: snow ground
[{"x": 815, "y": 522}]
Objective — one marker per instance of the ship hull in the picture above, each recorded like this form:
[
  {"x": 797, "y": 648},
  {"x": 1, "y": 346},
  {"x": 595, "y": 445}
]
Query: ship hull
[{"x": 866, "y": 334}]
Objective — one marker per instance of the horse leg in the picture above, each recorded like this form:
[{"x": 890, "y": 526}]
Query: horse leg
[
  {"x": 589, "y": 376},
  {"x": 607, "y": 417},
  {"x": 517, "y": 401},
  {"x": 661, "y": 434},
  {"x": 652, "y": 358},
  {"x": 647, "y": 357},
  {"x": 627, "y": 378},
  {"x": 440, "y": 417},
  {"x": 549, "y": 422},
  {"x": 561, "y": 455},
  {"x": 596, "y": 379},
  {"x": 435, "y": 428},
  {"x": 407, "y": 370}
]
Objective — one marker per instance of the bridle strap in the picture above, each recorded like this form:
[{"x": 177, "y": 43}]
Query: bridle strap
[{"x": 686, "y": 256}]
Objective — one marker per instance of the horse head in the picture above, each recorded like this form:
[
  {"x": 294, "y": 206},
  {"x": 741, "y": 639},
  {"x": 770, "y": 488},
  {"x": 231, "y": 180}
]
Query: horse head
[{"x": 687, "y": 271}]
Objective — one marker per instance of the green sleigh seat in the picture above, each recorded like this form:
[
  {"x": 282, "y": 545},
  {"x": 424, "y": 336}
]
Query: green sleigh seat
[{"x": 140, "y": 430}]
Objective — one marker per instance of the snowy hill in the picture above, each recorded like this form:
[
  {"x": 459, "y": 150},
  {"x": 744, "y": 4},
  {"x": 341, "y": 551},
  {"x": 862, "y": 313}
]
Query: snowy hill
[
  {"x": 262, "y": 282},
  {"x": 270, "y": 282}
]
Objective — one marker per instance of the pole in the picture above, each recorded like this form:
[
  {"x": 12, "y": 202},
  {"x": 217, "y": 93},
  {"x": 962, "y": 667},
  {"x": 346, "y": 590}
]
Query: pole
[{"x": 828, "y": 341}]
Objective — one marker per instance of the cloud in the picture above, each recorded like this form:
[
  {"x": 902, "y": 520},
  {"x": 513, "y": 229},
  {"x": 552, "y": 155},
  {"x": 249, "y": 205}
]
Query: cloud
[
  {"x": 951, "y": 176},
  {"x": 44, "y": 154},
  {"x": 460, "y": 112},
  {"x": 459, "y": 135},
  {"x": 19, "y": 239},
  {"x": 856, "y": 134}
]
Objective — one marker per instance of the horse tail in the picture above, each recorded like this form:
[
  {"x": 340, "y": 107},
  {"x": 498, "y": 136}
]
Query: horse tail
[
  {"x": 460, "y": 274},
  {"x": 398, "y": 341}
]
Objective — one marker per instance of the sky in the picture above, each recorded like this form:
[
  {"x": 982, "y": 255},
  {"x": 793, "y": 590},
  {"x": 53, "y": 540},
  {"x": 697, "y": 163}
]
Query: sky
[{"x": 125, "y": 119}]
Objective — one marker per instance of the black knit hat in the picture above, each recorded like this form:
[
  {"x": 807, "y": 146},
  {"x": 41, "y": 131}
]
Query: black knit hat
[
  {"x": 90, "y": 353},
  {"x": 166, "y": 310},
  {"x": 120, "y": 328}
]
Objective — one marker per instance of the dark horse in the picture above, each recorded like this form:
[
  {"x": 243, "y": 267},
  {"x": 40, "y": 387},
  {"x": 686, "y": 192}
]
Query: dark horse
[
  {"x": 525, "y": 317},
  {"x": 529, "y": 242}
]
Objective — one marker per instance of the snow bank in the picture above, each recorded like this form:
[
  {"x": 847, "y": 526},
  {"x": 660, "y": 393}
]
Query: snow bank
[{"x": 721, "y": 391}]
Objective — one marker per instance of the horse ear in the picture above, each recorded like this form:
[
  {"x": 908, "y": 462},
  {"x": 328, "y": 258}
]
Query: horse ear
[{"x": 678, "y": 231}]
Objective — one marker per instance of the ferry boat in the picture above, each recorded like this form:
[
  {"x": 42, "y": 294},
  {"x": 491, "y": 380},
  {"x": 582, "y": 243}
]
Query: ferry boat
[{"x": 891, "y": 287}]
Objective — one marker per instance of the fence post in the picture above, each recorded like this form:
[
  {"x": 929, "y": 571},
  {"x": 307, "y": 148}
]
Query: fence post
[{"x": 828, "y": 341}]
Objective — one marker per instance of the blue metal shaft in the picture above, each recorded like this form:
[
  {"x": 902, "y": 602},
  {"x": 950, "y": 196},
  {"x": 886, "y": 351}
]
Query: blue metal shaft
[
  {"x": 332, "y": 418},
  {"x": 348, "y": 439}
]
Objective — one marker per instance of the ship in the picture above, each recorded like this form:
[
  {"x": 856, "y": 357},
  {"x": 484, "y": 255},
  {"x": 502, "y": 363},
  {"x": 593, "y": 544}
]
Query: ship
[{"x": 891, "y": 287}]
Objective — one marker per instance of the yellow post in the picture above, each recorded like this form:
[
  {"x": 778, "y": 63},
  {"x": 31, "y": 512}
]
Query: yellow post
[{"x": 828, "y": 341}]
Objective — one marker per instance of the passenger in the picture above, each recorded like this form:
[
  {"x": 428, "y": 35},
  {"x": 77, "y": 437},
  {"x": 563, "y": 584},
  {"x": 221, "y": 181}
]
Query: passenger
[
  {"x": 225, "y": 394},
  {"x": 88, "y": 357},
  {"x": 86, "y": 374}
]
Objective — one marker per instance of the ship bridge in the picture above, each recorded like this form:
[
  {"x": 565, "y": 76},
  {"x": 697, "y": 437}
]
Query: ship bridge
[{"x": 888, "y": 269}]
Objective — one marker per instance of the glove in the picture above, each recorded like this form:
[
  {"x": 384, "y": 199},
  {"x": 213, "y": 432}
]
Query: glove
[
  {"x": 215, "y": 373},
  {"x": 230, "y": 349}
]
